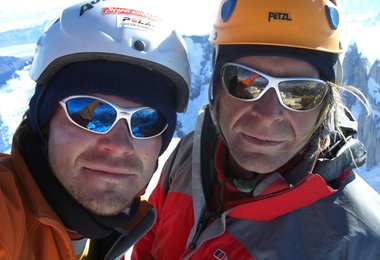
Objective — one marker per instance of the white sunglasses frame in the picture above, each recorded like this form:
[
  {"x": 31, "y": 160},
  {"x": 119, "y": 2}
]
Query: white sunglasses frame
[
  {"x": 121, "y": 113},
  {"x": 273, "y": 82}
]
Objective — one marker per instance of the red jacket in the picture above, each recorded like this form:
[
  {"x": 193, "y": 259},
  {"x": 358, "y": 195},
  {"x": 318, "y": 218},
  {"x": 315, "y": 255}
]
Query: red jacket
[{"x": 308, "y": 220}]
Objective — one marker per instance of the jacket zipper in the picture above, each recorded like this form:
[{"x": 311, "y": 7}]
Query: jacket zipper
[{"x": 202, "y": 224}]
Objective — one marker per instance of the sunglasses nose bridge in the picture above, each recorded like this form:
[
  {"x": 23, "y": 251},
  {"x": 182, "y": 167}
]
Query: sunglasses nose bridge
[
  {"x": 275, "y": 84},
  {"x": 127, "y": 117},
  {"x": 124, "y": 115},
  {"x": 271, "y": 84}
]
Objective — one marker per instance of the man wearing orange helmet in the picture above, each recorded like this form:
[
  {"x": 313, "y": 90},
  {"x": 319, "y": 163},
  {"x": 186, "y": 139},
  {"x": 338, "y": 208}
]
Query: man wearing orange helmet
[
  {"x": 268, "y": 171},
  {"x": 103, "y": 111}
]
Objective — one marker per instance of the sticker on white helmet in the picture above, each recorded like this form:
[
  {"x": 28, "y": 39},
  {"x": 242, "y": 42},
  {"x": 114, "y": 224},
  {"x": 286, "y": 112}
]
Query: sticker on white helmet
[{"x": 135, "y": 19}]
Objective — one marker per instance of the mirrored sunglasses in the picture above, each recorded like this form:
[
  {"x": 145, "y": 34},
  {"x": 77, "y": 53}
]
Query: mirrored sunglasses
[
  {"x": 99, "y": 116},
  {"x": 295, "y": 94}
]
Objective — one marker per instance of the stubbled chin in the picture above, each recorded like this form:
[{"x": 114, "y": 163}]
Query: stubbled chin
[
  {"x": 105, "y": 200},
  {"x": 257, "y": 163},
  {"x": 107, "y": 205},
  {"x": 257, "y": 158}
]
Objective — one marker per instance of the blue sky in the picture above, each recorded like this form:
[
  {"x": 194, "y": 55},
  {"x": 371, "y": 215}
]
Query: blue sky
[
  {"x": 196, "y": 17},
  {"x": 190, "y": 17}
]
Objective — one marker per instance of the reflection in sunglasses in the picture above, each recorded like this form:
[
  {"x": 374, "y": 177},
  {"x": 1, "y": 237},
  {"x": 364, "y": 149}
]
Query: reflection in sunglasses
[
  {"x": 296, "y": 94},
  {"x": 99, "y": 116},
  {"x": 85, "y": 115}
]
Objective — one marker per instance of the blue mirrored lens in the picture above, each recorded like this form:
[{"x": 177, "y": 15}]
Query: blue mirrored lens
[
  {"x": 90, "y": 113},
  {"x": 147, "y": 122}
]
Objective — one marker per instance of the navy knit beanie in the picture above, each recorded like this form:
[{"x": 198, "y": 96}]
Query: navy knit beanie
[
  {"x": 131, "y": 82},
  {"x": 324, "y": 62}
]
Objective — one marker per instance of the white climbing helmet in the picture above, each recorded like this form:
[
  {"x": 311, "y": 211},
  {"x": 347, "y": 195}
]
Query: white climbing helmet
[{"x": 127, "y": 31}]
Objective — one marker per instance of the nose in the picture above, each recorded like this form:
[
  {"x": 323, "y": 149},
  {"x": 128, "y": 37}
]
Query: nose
[
  {"x": 268, "y": 108},
  {"x": 118, "y": 139}
]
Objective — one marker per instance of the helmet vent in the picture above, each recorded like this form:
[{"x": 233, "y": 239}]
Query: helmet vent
[
  {"x": 139, "y": 45},
  {"x": 332, "y": 16},
  {"x": 227, "y": 9}
]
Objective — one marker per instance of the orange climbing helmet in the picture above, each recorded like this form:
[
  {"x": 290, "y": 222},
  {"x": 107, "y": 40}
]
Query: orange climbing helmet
[
  {"x": 309, "y": 30},
  {"x": 306, "y": 24}
]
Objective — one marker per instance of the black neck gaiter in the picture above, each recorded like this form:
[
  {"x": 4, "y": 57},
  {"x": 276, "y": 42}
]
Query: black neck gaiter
[{"x": 73, "y": 215}]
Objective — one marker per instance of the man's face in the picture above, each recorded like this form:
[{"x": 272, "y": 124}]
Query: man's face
[
  {"x": 102, "y": 172},
  {"x": 263, "y": 135}
]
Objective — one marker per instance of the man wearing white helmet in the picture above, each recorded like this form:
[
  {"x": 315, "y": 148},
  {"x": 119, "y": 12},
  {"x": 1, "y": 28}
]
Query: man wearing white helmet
[
  {"x": 268, "y": 171},
  {"x": 110, "y": 76}
]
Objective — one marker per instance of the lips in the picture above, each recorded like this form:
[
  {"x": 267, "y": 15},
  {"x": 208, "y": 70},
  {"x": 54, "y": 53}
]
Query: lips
[
  {"x": 106, "y": 170},
  {"x": 109, "y": 172},
  {"x": 262, "y": 141},
  {"x": 102, "y": 176}
]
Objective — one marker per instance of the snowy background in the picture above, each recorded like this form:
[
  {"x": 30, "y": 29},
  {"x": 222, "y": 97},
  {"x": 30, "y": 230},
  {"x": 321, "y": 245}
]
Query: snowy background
[{"x": 21, "y": 23}]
